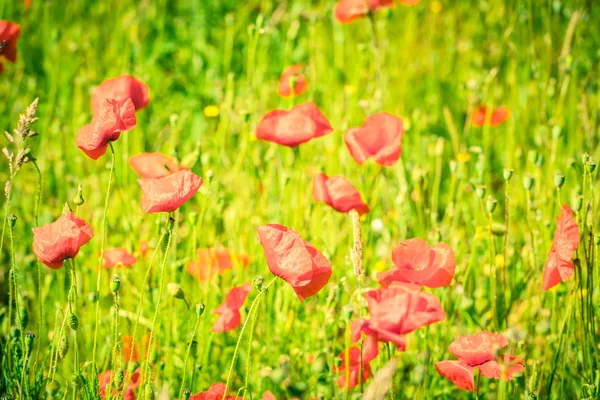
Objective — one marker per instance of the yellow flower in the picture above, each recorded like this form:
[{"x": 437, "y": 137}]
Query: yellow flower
[
  {"x": 406, "y": 123},
  {"x": 435, "y": 7},
  {"x": 211, "y": 111},
  {"x": 463, "y": 157},
  {"x": 499, "y": 260},
  {"x": 349, "y": 89},
  {"x": 380, "y": 265}
]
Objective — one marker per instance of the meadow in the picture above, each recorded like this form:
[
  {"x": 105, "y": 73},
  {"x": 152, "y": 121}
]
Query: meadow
[{"x": 379, "y": 199}]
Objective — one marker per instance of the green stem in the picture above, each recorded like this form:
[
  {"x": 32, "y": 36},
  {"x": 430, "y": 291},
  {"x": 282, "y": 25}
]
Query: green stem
[
  {"x": 39, "y": 264},
  {"x": 187, "y": 356},
  {"x": 252, "y": 325},
  {"x": 15, "y": 284}
]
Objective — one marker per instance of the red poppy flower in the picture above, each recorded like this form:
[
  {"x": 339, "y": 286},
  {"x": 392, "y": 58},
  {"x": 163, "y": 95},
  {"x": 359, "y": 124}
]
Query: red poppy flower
[
  {"x": 289, "y": 88},
  {"x": 351, "y": 363},
  {"x": 113, "y": 118},
  {"x": 559, "y": 267},
  {"x": 269, "y": 396},
  {"x": 118, "y": 258},
  {"x": 498, "y": 116},
  {"x": 9, "y": 34},
  {"x": 294, "y": 260},
  {"x": 505, "y": 370},
  {"x": 153, "y": 165},
  {"x": 144, "y": 248},
  {"x": 347, "y": 11},
  {"x": 338, "y": 193},
  {"x": 126, "y": 349},
  {"x": 229, "y": 311},
  {"x": 462, "y": 375},
  {"x": 292, "y": 128},
  {"x": 397, "y": 311},
  {"x": 212, "y": 261},
  {"x": 131, "y": 384},
  {"x": 170, "y": 192},
  {"x": 478, "y": 348},
  {"x": 380, "y": 137},
  {"x": 215, "y": 392},
  {"x": 418, "y": 263},
  {"x": 121, "y": 88},
  {"x": 55, "y": 242}
]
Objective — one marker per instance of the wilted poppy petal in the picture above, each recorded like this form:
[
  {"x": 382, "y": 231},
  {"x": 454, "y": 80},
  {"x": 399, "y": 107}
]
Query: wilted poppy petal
[
  {"x": 170, "y": 192},
  {"x": 338, "y": 193},
  {"x": 458, "y": 373},
  {"x": 292, "y": 128},
  {"x": 153, "y": 165},
  {"x": 292, "y": 82},
  {"x": 347, "y": 11},
  {"x": 9, "y": 34},
  {"x": 229, "y": 314},
  {"x": 118, "y": 257},
  {"x": 121, "y": 88},
  {"x": 55, "y": 242},
  {"x": 494, "y": 370},
  {"x": 478, "y": 348},
  {"x": 294, "y": 260},
  {"x": 498, "y": 116},
  {"x": 559, "y": 267},
  {"x": 380, "y": 137}
]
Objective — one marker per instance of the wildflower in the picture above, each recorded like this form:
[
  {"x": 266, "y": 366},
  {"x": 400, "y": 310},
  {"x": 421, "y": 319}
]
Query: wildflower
[
  {"x": 559, "y": 266},
  {"x": 153, "y": 165},
  {"x": 347, "y": 11},
  {"x": 114, "y": 258},
  {"x": 229, "y": 311},
  {"x": 120, "y": 89},
  {"x": 417, "y": 262},
  {"x": 380, "y": 137},
  {"x": 294, "y": 260},
  {"x": 292, "y": 82},
  {"x": 9, "y": 35},
  {"x": 294, "y": 127},
  {"x": 55, "y": 242},
  {"x": 351, "y": 361},
  {"x": 170, "y": 192},
  {"x": 338, "y": 193},
  {"x": 496, "y": 117},
  {"x": 216, "y": 391},
  {"x": 212, "y": 111},
  {"x": 214, "y": 261}
]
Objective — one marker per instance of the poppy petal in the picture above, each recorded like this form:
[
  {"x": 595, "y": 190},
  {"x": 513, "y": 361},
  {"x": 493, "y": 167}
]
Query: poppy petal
[
  {"x": 169, "y": 193},
  {"x": 380, "y": 137},
  {"x": 460, "y": 374}
]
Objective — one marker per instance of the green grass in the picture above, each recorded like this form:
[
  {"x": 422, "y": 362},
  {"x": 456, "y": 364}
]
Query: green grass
[{"x": 435, "y": 67}]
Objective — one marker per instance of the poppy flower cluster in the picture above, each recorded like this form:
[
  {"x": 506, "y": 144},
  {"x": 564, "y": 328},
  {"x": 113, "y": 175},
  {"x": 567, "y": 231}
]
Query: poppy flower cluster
[
  {"x": 62, "y": 239},
  {"x": 481, "y": 351},
  {"x": 9, "y": 35},
  {"x": 338, "y": 193},
  {"x": 497, "y": 116},
  {"x": 229, "y": 311},
  {"x": 559, "y": 266},
  {"x": 418, "y": 263},
  {"x": 294, "y": 260},
  {"x": 214, "y": 261},
  {"x": 154, "y": 165}
]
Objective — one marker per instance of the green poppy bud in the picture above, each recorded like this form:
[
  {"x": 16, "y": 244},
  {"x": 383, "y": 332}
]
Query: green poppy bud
[
  {"x": 115, "y": 284},
  {"x": 508, "y": 173},
  {"x": 194, "y": 348},
  {"x": 78, "y": 200},
  {"x": 480, "y": 191},
  {"x": 148, "y": 393},
  {"x": 258, "y": 282},
  {"x": 577, "y": 203},
  {"x": 29, "y": 336},
  {"x": 585, "y": 157},
  {"x": 491, "y": 204},
  {"x": 590, "y": 165},
  {"x": 559, "y": 179},
  {"x": 200, "y": 309},
  {"x": 119, "y": 376},
  {"x": 12, "y": 220},
  {"x": 73, "y": 321},
  {"x": 63, "y": 346},
  {"x": 528, "y": 182},
  {"x": 187, "y": 392},
  {"x": 66, "y": 208},
  {"x": 175, "y": 290},
  {"x": 93, "y": 296}
]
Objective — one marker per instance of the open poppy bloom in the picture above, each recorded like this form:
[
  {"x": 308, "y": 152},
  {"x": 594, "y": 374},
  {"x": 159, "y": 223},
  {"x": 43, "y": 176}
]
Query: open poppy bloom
[
  {"x": 121, "y": 88},
  {"x": 216, "y": 391},
  {"x": 418, "y": 263},
  {"x": 113, "y": 118},
  {"x": 497, "y": 116},
  {"x": 479, "y": 350},
  {"x": 213, "y": 261},
  {"x": 127, "y": 347},
  {"x": 294, "y": 260},
  {"x": 559, "y": 266},
  {"x": 294, "y": 127},
  {"x": 229, "y": 311},
  {"x": 338, "y": 193},
  {"x": 351, "y": 362},
  {"x": 395, "y": 312},
  {"x": 131, "y": 384},
  {"x": 118, "y": 258},
  {"x": 170, "y": 192},
  {"x": 292, "y": 82},
  {"x": 153, "y": 165},
  {"x": 55, "y": 242},
  {"x": 347, "y": 11},
  {"x": 9, "y": 34},
  {"x": 380, "y": 137}
]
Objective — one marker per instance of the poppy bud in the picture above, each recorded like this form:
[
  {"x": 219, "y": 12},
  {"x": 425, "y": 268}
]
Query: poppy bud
[
  {"x": 93, "y": 296},
  {"x": 52, "y": 387},
  {"x": 585, "y": 157},
  {"x": 491, "y": 204},
  {"x": 577, "y": 202},
  {"x": 559, "y": 179},
  {"x": 508, "y": 173},
  {"x": 115, "y": 284},
  {"x": 132, "y": 366},
  {"x": 571, "y": 162},
  {"x": 148, "y": 392},
  {"x": 590, "y": 165},
  {"x": 66, "y": 208},
  {"x": 171, "y": 223},
  {"x": 194, "y": 348},
  {"x": 258, "y": 282},
  {"x": 119, "y": 376},
  {"x": 63, "y": 346},
  {"x": 73, "y": 322},
  {"x": 347, "y": 313},
  {"x": 200, "y": 309},
  {"x": 528, "y": 182},
  {"x": 539, "y": 160},
  {"x": 78, "y": 200},
  {"x": 480, "y": 191},
  {"x": 319, "y": 365},
  {"x": 24, "y": 313},
  {"x": 29, "y": 336},
  {"x": 175, "y": 290},
  {"x": 187, "y": 393},
  {"x": 12, "y": 220}
]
